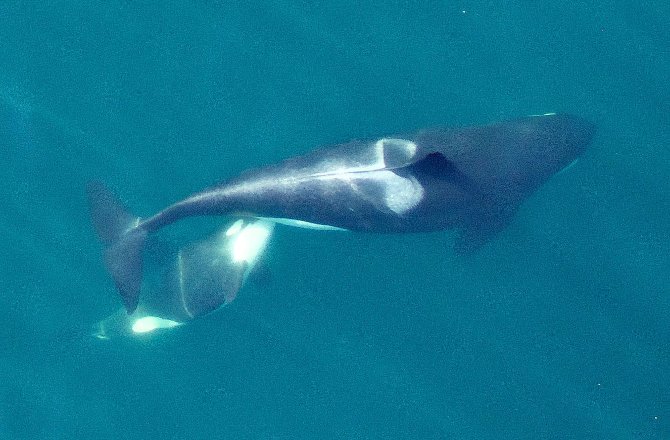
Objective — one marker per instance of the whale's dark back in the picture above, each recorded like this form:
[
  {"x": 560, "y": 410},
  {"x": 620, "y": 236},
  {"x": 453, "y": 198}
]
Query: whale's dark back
[
  {"x": 510, "y": 160},
  {"x": 472, "y": 178},
  {"x": 504, "y": 163}
]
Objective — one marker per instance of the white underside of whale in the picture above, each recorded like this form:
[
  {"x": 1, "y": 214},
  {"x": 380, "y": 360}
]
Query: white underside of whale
[{"x": 302, "y": 224}]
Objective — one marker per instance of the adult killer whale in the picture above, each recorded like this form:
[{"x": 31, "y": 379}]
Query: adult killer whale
[{"x": 471, "y": 179}]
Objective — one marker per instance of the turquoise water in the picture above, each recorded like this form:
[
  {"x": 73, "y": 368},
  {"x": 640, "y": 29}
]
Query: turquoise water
[{"x": 558, "y": 329}]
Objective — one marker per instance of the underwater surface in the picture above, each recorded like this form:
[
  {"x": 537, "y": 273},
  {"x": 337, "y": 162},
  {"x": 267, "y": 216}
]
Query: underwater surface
[{"x": 556, "y": 329}]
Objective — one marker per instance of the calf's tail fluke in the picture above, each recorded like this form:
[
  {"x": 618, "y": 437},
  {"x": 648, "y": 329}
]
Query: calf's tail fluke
[{"x": 123, "y": 239}]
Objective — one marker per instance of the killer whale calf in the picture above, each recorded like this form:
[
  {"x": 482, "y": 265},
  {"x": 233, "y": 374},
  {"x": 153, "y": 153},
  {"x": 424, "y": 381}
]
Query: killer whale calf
[
  {"x": 471, "y": 179},
  {"x": 188, "y": 282}
]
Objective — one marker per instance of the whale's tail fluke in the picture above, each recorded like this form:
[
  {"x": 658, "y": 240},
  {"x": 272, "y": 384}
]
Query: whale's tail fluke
[{"x": 124, "y": 241}]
